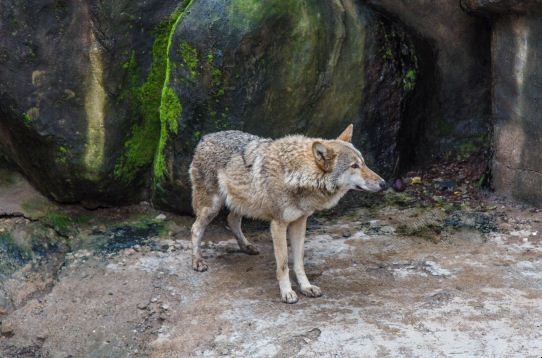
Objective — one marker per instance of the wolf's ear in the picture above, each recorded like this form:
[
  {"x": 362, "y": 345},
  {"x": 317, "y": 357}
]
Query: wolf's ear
[
  {"x": 324, "y": 156},
  {"x": 346, "y": 135}
]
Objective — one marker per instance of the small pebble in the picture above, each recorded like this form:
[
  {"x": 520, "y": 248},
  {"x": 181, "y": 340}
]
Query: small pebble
[
  {"x": 399, "y": 185},
  {"x": 6, "y": 329},
  {"x": 416, "y": 180},
  {"x": 160, "y": 217},
  {"x": 41, "y": 336}
]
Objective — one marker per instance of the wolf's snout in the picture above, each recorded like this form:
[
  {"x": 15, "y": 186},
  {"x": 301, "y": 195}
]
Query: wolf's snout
[{"x": 383, "y": 185}]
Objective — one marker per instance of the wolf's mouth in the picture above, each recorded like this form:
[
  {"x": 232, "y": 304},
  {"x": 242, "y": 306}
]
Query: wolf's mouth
[{"x": 358, "y": 188}]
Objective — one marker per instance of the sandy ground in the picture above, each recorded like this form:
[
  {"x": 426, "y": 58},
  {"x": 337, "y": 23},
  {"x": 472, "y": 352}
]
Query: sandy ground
[{"x": 400, "y": 278}]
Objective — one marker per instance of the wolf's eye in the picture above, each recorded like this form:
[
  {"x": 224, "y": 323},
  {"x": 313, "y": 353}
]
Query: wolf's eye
[{"x": 354, "y": 166}]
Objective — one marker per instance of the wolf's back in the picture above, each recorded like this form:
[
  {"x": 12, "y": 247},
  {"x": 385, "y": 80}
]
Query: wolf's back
[{"x": 215, "y": 150}]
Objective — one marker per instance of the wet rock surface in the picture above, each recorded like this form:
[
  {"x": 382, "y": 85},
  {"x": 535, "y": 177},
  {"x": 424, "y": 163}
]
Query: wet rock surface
[
  {"x": 450, "y": 110},
  {"x": 281, "y": 67},
  {"x": 67, "y": 106},
  {"x": 413, "y": 275},
  {"x": 102, "y": 103}
]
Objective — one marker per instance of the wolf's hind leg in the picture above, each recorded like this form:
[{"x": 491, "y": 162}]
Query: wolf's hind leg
[
  {"x": 234, "y": 222},
  {"x": 296, "y": 234},
  {"x": 203, "y": 217}
]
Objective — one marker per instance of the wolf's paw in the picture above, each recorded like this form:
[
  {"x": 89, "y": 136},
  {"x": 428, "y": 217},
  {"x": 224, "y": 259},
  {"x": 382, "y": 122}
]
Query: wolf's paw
[
  {"x": 250, "y": 250},
  {"x": 311, "y": 291},
  {"x": 198, "y": 264},
  {"x": 289, "y": 296}
]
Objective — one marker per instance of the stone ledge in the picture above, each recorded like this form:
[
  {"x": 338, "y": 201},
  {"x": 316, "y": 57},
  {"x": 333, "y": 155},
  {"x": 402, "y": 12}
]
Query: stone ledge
[{"x": 502, "y": 7}]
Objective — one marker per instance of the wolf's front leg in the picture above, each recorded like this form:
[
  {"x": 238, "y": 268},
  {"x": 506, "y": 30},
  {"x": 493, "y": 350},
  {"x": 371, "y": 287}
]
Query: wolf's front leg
[
  {"x": 296, "y": 233},
  {"x": 278, "y": 232}
]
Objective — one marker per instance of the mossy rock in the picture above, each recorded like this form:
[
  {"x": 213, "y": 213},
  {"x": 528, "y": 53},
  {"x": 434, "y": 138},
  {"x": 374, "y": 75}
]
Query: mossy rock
[
  {"x": 277, "y": 67},
  {"x": 80, "y": 87},
  {"x": 100, "y": 102}
]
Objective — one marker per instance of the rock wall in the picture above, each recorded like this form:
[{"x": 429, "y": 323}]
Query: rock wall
[
  {"x": 279, "y": 67},
  {"x": 102, "y": 102},
  {"x": 70, "y": 117},
  {"x": 449, "y": 115},
  {"x": 517, "y": 101}
]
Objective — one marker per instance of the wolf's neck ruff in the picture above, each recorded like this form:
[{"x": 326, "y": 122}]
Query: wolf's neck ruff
[{"x": 317, "y": 181}]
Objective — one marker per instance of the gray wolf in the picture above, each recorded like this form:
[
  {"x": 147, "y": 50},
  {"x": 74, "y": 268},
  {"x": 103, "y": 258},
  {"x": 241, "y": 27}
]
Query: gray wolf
[{"x": 283, "y": 181}]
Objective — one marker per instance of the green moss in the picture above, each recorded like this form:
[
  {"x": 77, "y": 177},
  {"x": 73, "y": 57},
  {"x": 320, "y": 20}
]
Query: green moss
[
  {"x": 246, "y": 12},
  {"x": 189, "y": 58},
  {"x": 388, "y": 54},
  {"x": 145, "y": 100},
  {"x": 390, "y": 35},
  {"x": 27, "y": 119},
  {"x": 409, "y": 80},
  {"x": 217, "y": 91},
  {"x": 248, "y": 9},
  {"x": 390, "y": 38},
  {"x": 170, "y": 106},
  {"x": 465, "y": 150},
  {"x": 62, "y": 155},
  {"x": 216, "y": 75},
  {"x": 170, "y": 110},
  {"x": 64, "y": 222},
  {"x": 216, "y": 79},
  {"x": 61, "y": 222},
  {"x": 31, "y": 115}
]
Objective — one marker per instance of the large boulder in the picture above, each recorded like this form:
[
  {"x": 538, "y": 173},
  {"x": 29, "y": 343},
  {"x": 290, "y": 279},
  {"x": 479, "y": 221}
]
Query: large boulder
[
  {"x": 77, "y": 115},
  {"x": 277, "y": 67},
  {"x": 102, "y": 100}
]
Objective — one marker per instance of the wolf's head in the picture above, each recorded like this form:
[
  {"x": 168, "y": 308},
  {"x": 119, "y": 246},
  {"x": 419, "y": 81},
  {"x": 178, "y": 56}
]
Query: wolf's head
[{"x": 340, "y": 159}]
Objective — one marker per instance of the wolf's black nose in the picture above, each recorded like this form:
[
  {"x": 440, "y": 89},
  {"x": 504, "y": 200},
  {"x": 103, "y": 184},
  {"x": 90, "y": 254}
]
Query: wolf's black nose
[{"x": 383, "y": 185}]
